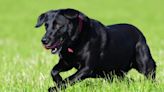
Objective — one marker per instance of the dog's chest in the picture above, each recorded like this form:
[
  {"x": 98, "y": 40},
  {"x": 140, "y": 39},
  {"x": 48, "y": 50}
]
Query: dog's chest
[{"x": 72, "y": 59}]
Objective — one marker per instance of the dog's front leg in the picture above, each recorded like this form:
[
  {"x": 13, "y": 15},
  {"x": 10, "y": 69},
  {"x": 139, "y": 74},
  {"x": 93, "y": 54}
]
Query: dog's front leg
[
  {"x": 60, "y": 67},
  {"x": 81, "y": 74}
]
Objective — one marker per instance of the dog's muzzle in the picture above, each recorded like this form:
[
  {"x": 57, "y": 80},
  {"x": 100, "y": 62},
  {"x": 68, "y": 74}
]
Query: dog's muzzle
[{"x": 55, "y": 47}]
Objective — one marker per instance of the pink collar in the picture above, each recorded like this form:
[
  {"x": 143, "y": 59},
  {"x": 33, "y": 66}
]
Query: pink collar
[
  {"x": 70, "y": 50},
  {"x": 80, "y": 22}
]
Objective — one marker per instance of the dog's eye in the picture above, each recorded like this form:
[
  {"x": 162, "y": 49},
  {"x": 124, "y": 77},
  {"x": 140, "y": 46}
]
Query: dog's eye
[{"x": 56, "y": 25}]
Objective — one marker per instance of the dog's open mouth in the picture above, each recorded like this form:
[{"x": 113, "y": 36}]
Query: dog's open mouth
[{"x": 55, "y": 47}]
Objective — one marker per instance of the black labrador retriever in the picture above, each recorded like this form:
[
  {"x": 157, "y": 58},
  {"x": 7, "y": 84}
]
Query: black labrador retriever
[{"x": 94, "y": 49}]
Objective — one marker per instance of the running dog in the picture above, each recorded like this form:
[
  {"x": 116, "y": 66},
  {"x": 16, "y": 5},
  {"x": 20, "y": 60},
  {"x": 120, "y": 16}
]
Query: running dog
[{"x": 94, "y": 49}]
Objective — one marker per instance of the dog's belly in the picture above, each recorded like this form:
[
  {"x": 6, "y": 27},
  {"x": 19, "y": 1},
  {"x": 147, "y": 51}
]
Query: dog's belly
[
  {"x": 112, "y": 62},
  {"x": 116, "y": 61}
]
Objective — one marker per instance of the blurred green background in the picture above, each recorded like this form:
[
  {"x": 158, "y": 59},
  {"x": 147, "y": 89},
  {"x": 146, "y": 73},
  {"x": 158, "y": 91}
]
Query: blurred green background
[{"x": 25, "y": 65}]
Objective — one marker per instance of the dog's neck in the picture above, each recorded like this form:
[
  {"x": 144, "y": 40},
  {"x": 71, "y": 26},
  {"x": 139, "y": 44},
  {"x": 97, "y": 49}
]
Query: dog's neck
[
  {"x": 80, "y": 19},
  {"x": 81, "y": 31}
]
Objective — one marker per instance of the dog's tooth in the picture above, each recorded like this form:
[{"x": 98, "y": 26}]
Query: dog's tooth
[{"x": 54, "y": 51}]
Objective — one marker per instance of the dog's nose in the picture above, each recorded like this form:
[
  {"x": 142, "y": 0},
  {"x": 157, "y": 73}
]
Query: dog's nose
[{"x": 45, "y": 41}]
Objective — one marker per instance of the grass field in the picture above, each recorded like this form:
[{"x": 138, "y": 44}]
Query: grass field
[{"x": 25, "y": 65}]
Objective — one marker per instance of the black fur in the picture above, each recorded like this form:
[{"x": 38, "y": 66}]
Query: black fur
[{"x": 97, "y": 50}]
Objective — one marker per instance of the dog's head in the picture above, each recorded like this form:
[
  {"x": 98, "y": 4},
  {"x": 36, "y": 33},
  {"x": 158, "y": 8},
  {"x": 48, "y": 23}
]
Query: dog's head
[{"x": 60, "y": 26}]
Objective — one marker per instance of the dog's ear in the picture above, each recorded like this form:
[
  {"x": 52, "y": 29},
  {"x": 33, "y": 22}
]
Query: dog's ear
[
  {"x": 41, "y": 19},
  {"x": 70, "y": 13}
]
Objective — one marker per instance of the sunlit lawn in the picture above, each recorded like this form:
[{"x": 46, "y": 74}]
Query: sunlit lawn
[{"x": 25, "y": 65}]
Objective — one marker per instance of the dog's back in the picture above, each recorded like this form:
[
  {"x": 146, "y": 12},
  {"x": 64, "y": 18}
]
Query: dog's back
[{"x": 134, "y": 32}]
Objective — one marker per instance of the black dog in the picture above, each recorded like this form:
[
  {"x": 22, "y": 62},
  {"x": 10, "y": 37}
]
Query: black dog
[{"x": 93, "y": 49}]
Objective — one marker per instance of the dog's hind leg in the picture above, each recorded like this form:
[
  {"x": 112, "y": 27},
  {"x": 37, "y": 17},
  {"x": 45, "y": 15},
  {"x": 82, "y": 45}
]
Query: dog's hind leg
[{"x": 144, "y": 62}]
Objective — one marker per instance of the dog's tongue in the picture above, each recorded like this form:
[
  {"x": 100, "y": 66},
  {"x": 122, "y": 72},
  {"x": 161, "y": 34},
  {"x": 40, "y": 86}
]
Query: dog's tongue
[{"x": 53, "y": 46}]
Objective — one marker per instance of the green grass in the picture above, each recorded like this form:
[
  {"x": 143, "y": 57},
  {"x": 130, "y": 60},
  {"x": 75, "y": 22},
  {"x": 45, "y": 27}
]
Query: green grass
[{"x": 25, "y": 65}]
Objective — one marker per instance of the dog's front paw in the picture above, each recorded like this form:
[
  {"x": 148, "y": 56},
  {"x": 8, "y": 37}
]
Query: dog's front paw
[{"x": 53, "y": 89}]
